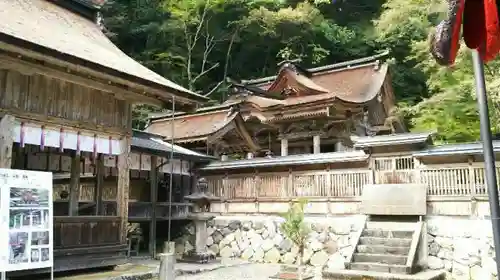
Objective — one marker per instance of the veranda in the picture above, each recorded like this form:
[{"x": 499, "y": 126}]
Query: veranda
[{"x": 333, "y": 182}]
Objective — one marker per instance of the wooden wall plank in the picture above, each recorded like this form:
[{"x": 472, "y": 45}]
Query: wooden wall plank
[{"x": 40, "y": 97}]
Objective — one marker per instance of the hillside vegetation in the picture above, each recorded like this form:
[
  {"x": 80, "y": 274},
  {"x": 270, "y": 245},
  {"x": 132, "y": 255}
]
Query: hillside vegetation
[{"x": 199, "y": 43}]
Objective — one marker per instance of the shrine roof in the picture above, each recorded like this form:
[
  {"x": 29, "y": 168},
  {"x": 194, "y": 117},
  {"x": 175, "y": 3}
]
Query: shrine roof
[
  {"x": 336, "y": 66},
  {"x": 355, "y": 81},
  {"x": 193, "y": 127},
  {"x": 304, "y": 159},
  {"x": 45, "y": 30},
  {"x": 392, "y": 139},
  {"x": 462, "y": 149},
  {"x": 153, "y": 144}
]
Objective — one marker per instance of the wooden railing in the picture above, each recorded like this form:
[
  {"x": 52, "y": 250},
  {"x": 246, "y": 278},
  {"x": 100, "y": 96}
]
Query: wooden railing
[
  {"x": 86, "y": 231},
  {"x": 180, "y": 210},
  {"x": 340, "y": 183},
  {"x": 441, "y": 180},
  {"x": 141, "y": 210}
]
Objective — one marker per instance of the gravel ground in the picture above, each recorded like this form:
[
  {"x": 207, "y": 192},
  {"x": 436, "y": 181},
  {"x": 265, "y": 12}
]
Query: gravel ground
[{"x": 242, "y": 272}]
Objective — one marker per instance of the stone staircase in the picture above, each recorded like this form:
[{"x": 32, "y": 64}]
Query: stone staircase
[
  {"x": 383, "y": 249},
  {"x": 387, "y": 250}
]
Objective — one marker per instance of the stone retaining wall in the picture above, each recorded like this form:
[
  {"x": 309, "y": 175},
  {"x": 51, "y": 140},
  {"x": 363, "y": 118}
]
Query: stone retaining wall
[
  {"x": 258, "y": 239},
  {"x": 462, "y": 246}
]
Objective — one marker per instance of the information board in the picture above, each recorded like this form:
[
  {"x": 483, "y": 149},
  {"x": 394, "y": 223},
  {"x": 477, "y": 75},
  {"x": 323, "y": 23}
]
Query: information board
[{"x": 26, "y": 208}]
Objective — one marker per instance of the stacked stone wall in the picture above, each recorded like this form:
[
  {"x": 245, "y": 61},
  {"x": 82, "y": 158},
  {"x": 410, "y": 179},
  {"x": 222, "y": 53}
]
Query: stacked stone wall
[
  {"x": 461, "y": 246},
  {"x": 259, "y": 239}
]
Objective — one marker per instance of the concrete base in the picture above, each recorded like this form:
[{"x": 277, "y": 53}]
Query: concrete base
[
  {"x": 373, "y": 275},
  {"x": 198, "y": 257}
]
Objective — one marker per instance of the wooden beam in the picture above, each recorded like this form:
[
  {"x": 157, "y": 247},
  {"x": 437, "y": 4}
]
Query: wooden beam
[
  {"x": 302, "y": 134},
  {"x": 6, "y": 141},
  {"x": 31, "y": 69},
  {"x": 38, "y": 58},
  {"x": 99, "y": 184},
  {"x": 123, "y": 189},
  {"x": 153, "y": 179},
  {"x": 242, "y": 131},
  {"x": 74, "y": 184},
  {"x": 219, "y": 134}
]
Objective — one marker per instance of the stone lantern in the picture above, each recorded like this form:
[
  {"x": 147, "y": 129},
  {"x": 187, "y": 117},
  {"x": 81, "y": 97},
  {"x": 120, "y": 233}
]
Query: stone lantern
[{"x": 201, "y": 200}]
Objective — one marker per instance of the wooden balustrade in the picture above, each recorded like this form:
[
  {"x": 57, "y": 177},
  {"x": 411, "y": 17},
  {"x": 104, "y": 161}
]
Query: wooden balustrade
[
  {"x": 86, "y": 231},
  {"x": 453, "y": 180}
]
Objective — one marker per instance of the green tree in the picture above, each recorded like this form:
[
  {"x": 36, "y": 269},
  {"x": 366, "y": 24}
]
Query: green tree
[{"x": 295, "y": 229}]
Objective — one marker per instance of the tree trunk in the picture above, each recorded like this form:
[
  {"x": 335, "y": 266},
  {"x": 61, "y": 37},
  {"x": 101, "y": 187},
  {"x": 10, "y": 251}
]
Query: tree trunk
[{"x": 299, "y": 268}]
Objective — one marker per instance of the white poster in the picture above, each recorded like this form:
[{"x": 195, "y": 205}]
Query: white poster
[{"x": 26, "y": 205}]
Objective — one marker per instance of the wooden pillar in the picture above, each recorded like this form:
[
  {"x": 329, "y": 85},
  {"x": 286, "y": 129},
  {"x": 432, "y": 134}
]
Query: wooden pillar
[
  {"x": 74, "y": 184},
  {"x": 123, "y": 189},
  {"x": 316, "y": 144},
  {"x": 19, "y": 162},
  {"x": 99, "y": 184},
  {"x": 284, "y": 147},
  {"x": 6, "y": 141},
  {"x": 153, "y": 179}
]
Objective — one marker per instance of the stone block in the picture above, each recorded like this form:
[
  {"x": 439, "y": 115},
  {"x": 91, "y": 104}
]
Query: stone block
[{"x": 394, "y": 199}]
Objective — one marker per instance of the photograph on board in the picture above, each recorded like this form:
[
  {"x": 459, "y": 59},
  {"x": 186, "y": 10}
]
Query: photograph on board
[
  {"x": 35, "y": 255},
  {"x": 45, "y": 254},
  {"x": 18, "y": 247},
  {"x": 29, "y": 218},
  {"x": 40, "y": 238},
  {"x": 40, "y": 218},
  {"x": 20, "y": 218},
  {"x": 28, "y": 197}
]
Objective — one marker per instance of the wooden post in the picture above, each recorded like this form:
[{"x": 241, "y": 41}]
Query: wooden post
[
  {"x": 74, "y": 184},
  {"x": 316, "y": 144},
  {"x": 472, "y": 177},
  {"x": 20, "y": 160},
  {"x": 99, "y": 184},
  {"x": 6, "y": 141},
  {"x": 123, "y": 189},
  {"x": 153, "y": 179},
  {"x": 284, "y": 147}
]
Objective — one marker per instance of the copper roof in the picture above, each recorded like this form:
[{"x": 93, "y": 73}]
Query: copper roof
[
  {"x": 193, "y": 126},
  {"x": 68, "y": 35},
  {"x": 358, "y": 84}
]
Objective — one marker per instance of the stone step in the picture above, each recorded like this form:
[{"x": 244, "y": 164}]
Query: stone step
[
  {"x": 374, "y": 275},
  {"x": 379, "y": 267},
  {"x": 387, "y": 233},
  {"x": 394, "y": 242},
  {"x": 381, "y": 249},
  {"x": 380, "y": 258},
  {"x": 396, "y": 226}
]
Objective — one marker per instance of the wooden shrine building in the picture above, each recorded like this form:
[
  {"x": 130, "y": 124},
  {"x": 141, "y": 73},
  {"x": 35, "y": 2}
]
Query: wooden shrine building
[
  {"x": 295, "y": 112},
  {"x": 66, "y": 94},
  {"x": 151, "y": 204}
]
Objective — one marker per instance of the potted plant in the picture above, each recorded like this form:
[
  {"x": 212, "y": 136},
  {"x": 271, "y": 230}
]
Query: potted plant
[{"x": 295, "y": 229}]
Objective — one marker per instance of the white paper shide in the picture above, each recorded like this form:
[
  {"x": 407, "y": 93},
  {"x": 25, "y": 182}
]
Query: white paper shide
[{"x": 26, "y": 204}]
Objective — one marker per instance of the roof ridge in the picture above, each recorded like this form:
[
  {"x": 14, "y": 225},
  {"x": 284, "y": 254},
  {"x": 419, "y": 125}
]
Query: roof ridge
[
  {"x": 346, "y": 64},
  {"x": 182, "y": 115}
]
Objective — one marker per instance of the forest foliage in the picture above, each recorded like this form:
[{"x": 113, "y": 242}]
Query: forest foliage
[{"x": 201, "y": 43}]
